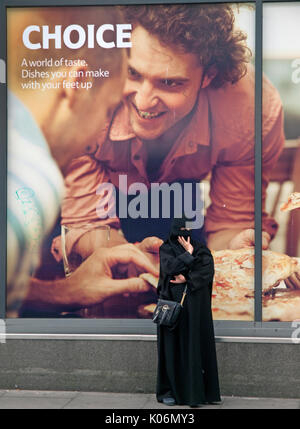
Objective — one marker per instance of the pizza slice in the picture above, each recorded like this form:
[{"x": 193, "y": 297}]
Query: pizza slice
[
  {"x": 281, "y": 305},
  {"x": 146, "y": 311},
  {"x": 236, "y": 267},
  {"x": 150, "y": 278},
  {"x": 233, "y": 286},
  {"x": 233, "y": 310},
  {"x": 277, "y": 267},
  {"x": 292, "y": 203}
]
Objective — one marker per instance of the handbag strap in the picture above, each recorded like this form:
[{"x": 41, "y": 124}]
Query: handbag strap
[{"x": 183, "y": 296}]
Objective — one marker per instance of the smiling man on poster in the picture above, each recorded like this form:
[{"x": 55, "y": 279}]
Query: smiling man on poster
[{"x": 188, "y": 111}]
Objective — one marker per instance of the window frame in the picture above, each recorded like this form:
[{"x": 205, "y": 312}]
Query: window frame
[{"x": 257, "y": 328}]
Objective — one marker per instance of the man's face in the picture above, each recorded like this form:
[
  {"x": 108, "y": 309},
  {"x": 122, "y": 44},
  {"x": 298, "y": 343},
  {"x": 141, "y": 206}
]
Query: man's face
[{"x": 162, "y": 85}]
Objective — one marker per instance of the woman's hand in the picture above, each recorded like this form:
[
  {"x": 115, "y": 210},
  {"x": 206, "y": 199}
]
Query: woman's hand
[
  {"x": 179, "y": 279},
  {"x": 186, "y": 244}
]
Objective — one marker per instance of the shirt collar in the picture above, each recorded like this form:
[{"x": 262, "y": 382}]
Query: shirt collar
[
  {"x": 120, "y": 128},
  {"x": 197, "y": 132}
]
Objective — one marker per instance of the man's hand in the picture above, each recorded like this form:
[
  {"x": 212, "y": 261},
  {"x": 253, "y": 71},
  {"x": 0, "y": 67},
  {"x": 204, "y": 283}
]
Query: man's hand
[
  {"x": 92, "y": 282},
  {"x": 186, "y": 244},
  {"x": 293, "y": 282},
  {"x": 246, "y": 238},
  {"x": 150, "y": 248},
  {"x": 179, "y": 279},
  {"x": 94, "y": 278}
]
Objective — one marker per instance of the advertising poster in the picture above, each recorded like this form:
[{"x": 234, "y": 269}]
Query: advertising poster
[
  {"x": 281, "y": 262},
  {"x": 119, "y": 120}
]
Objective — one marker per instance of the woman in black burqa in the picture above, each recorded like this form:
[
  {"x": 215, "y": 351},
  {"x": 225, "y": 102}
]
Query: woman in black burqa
[{"x": 187, "y": 365}]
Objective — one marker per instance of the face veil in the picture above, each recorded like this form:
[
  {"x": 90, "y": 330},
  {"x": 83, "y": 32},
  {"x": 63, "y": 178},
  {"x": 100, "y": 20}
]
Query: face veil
[{"x": 176, "y": 231}]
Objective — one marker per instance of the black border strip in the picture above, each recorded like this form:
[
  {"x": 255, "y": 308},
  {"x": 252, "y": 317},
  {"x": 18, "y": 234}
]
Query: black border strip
[
  {"x": 3, "y": 167},
  {"x": 57, "y": 3},
  {"x": 258, "y": 164}
]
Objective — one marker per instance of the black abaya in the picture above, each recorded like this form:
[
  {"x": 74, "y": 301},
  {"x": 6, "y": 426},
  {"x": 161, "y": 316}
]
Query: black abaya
[{"x": 187, "y": 364}]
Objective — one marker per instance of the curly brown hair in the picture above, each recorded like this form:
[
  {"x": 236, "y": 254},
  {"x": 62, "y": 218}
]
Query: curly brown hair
[{"x": 205, "y": 30}]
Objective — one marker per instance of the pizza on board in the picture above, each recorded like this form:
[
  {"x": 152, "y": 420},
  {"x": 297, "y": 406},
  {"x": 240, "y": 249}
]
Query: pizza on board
[
  {"x": 282, "y": 305},
  {"x": 233, "y": 287},
  {"x": 292, "y": 203}
]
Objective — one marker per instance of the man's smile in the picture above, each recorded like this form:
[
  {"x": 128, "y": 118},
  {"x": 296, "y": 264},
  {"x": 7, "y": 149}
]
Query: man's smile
[{"x": 147, "y": 115}]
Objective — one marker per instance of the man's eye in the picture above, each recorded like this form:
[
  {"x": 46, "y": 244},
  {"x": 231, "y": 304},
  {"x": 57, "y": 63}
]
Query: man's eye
[
  {"x": 132, "y": 73},
  {"x": 170, "y": 83}
]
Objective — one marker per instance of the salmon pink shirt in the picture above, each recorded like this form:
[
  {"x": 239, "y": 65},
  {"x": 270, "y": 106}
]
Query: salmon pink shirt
[{"x": 219, "y": 139}]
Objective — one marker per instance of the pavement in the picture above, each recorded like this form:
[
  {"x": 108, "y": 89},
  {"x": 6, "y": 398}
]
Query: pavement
[{"x": 34, "y": 399}]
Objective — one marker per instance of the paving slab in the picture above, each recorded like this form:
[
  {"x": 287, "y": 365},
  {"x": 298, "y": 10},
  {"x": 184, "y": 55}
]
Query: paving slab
[
  {"x": 153, "y": 404},
  {"x": 33, "y": 399},
  {"x": 107, "y": 401},
  {"x": 32, "y": 403},
  {"x": 259, "y": 403},
  {"x": 39, "y": 393}
]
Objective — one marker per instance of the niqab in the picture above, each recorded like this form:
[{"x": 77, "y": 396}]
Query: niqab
[{"x": 175, "y": 232}]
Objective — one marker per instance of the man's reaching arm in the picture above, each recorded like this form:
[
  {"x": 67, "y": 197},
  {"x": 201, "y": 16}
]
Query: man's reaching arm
[
  {"x": 91, "y": 283},
  {"x": 235, "y": 239}
]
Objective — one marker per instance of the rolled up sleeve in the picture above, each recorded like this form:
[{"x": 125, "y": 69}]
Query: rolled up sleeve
[
  {"x": 83, "y": 203},
  {"x": 232, "y": 187},
  {"x": 89, "y": 199}
]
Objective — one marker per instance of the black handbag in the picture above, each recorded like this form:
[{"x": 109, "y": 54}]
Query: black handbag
[{"x": 167, "y": 312}]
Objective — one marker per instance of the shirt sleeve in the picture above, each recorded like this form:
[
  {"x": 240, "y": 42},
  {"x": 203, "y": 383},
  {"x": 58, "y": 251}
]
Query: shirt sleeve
[
  {"x": 89, "y": 199},
  {"x": 233, "y": 184}
]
